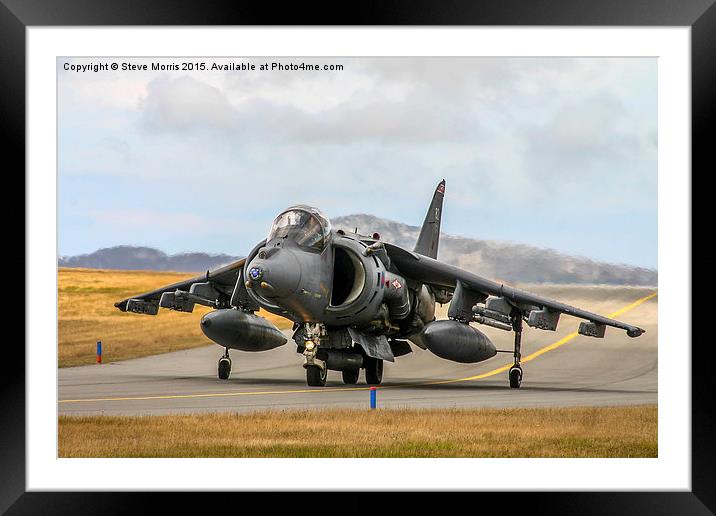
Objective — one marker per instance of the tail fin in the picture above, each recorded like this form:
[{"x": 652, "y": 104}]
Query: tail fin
[{"x": 429, "y": 238}]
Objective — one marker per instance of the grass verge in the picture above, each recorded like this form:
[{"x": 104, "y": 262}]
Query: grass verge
[
  {"x": 86, "y": 314},
  {"x": 516, "y": 432}
]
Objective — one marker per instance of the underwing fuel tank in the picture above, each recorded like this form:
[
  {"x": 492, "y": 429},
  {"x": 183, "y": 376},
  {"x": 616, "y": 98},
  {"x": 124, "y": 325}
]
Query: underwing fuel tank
[
  {"x": 456, "y": 341},
  {"x": 241, "y": 330}
]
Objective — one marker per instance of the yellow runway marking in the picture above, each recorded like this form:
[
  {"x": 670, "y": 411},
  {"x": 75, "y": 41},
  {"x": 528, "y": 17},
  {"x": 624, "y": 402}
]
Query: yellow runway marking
[{"x": 499, "y": 370}]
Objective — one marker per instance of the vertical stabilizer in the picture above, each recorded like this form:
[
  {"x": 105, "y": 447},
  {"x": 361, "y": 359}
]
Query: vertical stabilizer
[{"x": 429, "y": 238}]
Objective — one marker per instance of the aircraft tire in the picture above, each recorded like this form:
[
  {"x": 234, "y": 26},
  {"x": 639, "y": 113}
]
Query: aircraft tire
[
  {"x": 373, "y": 371},
  {"x": 350, "y": 376},
  {"x": 316, "y": 376},
  {"x": 224, "y": 368},
  {"x": 515, "y": 377}
]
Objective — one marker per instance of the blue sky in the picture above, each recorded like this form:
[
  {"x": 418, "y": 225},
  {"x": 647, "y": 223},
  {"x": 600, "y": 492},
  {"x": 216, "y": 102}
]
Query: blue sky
[{"x": 553, "y": 152}]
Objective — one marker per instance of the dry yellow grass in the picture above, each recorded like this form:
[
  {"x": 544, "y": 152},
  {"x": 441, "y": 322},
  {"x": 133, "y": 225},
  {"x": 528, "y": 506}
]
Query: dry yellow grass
[
  {"x": 86, "y": 313},
  {"x": 520, "y": 432}
]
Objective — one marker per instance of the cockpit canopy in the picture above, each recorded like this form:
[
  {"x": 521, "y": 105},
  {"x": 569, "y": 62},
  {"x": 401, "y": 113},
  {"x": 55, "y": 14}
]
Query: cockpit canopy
[{"x": 306, "y": 226}]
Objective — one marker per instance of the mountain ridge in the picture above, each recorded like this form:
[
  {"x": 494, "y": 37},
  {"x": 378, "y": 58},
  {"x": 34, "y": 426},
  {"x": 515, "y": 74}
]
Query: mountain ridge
[
  {"x": 505, "y": 261},
  {"x": 129, "y": 257},
  {"x": 497, "y": 260}
]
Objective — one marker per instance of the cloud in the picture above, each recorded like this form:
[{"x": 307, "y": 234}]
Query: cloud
[
  {"x": 116, "y": 146},
  {"x": 388, "y": 100},
  {"x": 183, "y": 104},
  {"x": 518, "y": 139},
  {"x": 409, "y": 121},
  {"x": 188, "y": 105},
  {"x": 589, "y": 147},
  {"x": 107, "y": 90},
  {"x": 166, "y": 221}
]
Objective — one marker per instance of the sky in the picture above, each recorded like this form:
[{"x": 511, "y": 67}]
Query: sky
[{"x": 558, "y": 153}]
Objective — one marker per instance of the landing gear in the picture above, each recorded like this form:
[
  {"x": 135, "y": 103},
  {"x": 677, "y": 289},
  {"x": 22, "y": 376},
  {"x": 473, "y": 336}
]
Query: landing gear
[
  {"x": 316, "y": 376},
  {"x": 515, "y": 377},
  {"x": 224, "y": 367},
  {"x": 373, "y": 371},
  {"x": 350, "y": 376},
  {"x": 316, "y": 370},
  {"x": 515, "y": 373}
]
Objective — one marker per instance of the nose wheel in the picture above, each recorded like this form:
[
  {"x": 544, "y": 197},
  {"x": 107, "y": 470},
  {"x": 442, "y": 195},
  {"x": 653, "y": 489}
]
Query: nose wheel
[
  {"x": 316, "y": 376},
  {"x": 224, "y": 366}
]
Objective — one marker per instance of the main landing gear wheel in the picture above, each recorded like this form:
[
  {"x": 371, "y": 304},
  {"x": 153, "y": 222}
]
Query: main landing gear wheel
[
  {"x": 373, "y": 371},
  {"x": 515, "y": 377},
  {"x": 350, "y": 376},
  {"x": 316, "y": 376},
  {"x": 224, "y": 368}
]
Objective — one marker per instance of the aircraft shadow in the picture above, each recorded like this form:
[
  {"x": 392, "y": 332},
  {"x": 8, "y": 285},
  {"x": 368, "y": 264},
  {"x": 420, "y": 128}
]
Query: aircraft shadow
[{"x": 260, "y": 382}]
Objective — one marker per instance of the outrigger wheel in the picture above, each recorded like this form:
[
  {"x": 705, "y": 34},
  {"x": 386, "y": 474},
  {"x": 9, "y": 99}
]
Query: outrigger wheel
[
  {"x": 515, "y": 373},
  {"x": 350, "y": 376},
  {"x": 373, "y": 371},
  {"x": 316, "y": 376},
  {"x": 515, "y": 377},
  {"x": 224, "y": 367}
]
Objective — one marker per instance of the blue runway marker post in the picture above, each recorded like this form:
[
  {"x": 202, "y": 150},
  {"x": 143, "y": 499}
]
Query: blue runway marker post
[
  {"x": 372, "y": 397},
  {"x": 99, "y": 351}
]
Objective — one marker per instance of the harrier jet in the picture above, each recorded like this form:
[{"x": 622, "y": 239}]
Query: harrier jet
[{"x": 357, "y": 301}]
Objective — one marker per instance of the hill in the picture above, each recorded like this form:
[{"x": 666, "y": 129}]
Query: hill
[
  {"x": 127, "y": 257},
  {"x": 509, "y": 262},
  {"x": 501, "y": 261}
]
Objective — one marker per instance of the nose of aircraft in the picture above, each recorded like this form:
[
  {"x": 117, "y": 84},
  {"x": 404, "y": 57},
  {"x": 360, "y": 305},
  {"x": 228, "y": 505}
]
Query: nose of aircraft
[{"x": 274, "y": 274}]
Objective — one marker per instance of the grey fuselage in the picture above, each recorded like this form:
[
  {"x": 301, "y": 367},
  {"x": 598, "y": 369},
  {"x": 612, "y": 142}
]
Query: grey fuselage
[{"x": 348, "y": 283}]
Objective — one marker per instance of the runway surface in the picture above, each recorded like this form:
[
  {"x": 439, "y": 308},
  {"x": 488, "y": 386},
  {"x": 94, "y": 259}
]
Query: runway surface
[{"x": 560, "y": 369}]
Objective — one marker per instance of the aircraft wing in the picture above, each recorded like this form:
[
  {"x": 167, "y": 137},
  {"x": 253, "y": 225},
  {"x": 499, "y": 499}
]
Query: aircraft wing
[
  {"x": 213, "y": 288},
  {"x": 442, "y": 276}
]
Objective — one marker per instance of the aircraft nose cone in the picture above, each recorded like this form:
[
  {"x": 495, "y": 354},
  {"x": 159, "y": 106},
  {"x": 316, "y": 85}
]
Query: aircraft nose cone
[{"x": 276, "y": 275}]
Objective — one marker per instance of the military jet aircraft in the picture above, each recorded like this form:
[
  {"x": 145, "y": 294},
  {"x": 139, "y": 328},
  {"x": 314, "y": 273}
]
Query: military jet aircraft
[{"x": 357, "y": 301}]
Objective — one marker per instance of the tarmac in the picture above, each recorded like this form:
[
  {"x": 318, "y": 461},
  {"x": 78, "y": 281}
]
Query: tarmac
[{"x": 560, "y": 369}]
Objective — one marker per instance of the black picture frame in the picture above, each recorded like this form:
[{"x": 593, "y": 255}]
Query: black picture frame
[{"x": 17, "y": 15}]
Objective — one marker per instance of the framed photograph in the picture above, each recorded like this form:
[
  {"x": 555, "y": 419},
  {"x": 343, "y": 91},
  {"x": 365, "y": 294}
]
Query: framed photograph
[{"x": 211, "y": 196}]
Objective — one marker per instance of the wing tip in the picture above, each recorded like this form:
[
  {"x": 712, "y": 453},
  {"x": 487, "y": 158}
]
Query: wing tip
[{"x": 635, "y": 332}]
